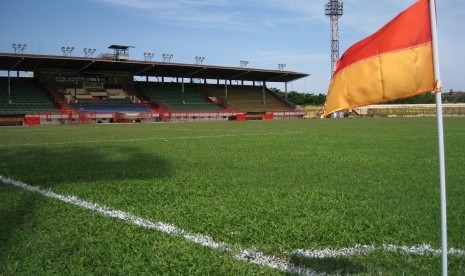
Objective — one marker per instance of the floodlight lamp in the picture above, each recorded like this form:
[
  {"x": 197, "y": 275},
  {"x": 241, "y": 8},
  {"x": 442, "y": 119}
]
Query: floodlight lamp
[
  {"x": 148, "y": 56},
  {"x": 199, "y": 60},
  {"x": 334, "y": 8},
  {"x": 88, "y": 52},
  {"x": 167, "y": 57},
  {"x": 19, "y": 47}
]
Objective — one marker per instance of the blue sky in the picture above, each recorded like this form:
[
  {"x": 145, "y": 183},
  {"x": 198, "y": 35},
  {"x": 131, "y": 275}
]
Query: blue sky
[{"x": 264, "y": 32}]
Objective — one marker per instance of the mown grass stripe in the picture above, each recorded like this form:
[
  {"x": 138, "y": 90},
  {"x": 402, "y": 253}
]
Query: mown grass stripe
[
  {"x": 248, "y": 255},
  {"x": 148, "y": 139}
]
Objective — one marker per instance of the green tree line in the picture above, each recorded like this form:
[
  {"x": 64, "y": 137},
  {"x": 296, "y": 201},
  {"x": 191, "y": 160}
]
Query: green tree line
[
  {"x": 298, "y": 98},
  {"x": 301, "y": 98},
  {"x": 429, "y": 98}
]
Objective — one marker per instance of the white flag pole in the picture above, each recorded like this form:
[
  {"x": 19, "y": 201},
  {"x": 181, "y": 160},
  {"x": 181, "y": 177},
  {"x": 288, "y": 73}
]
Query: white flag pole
[{"x": 442, "y": 165}]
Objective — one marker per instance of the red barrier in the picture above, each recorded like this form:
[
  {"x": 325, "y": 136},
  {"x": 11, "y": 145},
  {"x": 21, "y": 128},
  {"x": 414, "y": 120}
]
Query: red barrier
[
  {"x": 32, "y": 121},
  {"x": 268, "y": 116},
  {"x": 240, "y": 117}
]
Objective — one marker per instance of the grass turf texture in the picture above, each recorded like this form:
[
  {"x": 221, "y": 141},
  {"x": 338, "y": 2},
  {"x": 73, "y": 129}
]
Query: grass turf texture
[{"x": 276, "y": 186}]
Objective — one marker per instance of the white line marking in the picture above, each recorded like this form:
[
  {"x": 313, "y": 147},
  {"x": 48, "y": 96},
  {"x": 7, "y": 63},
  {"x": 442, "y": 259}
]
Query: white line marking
[
  {"x": 248, "y": 255},
  {"x": 424, "y": 249},
  {"x": 148, "y": 139}
]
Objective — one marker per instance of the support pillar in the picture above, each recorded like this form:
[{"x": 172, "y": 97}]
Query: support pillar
[
  {"x": 9, "y": 88},
  {"x": 182, "y": 91},
  {"x": 285, "y": 89},
  {"x": 75, "y": 87},
  {"x": 263, "y": 92},
  {"x": 226, "y": 91}
]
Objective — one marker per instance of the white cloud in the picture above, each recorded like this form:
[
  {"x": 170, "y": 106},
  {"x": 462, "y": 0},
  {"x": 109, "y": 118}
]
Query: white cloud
[
  {"x": 157, "y": 4},
  {"x": 189, "y": 13},
  {"x": 227, "y": 14}
]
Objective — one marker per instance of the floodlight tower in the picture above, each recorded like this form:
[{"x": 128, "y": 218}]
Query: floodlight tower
[
  {"x": 334, "y": 10},
  {"x": 199, "y": 60},
  {"x": 148, "y": 56},
  {"x": 19, "y": 48},
  {"x": 88, "y": 52},
  {"x": 167, "y": 57}
]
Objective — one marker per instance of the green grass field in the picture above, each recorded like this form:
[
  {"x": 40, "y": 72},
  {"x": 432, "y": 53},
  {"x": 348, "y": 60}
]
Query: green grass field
[{"x": 275, "y": 187}]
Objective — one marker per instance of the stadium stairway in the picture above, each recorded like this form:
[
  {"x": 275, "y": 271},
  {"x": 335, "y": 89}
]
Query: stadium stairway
[{"x": 57, "y": 93}]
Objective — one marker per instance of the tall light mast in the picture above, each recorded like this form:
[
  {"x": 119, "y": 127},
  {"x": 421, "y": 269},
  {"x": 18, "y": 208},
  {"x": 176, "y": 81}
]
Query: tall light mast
[{"x": 334, "y": 10}]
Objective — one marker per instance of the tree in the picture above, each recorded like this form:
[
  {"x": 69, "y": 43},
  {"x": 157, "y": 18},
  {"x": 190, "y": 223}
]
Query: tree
[{"x": 301, "y": 98}]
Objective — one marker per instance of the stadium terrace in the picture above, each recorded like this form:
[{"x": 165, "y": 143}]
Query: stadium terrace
[{"x": 113, "y": 88}]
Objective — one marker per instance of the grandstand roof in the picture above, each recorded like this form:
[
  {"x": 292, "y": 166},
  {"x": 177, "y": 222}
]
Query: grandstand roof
[{"x": 81, "y": 65}]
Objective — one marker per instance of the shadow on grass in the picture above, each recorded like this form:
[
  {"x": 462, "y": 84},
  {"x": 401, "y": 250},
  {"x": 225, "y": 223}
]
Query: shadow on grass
[
  {"x": 332, "y": 266},
  {"x": 16, "y": 212},
  {"x": 50, "y": 167}
]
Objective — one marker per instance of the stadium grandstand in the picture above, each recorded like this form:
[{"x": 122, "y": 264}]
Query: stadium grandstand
[{"x": 114, "y": 88}]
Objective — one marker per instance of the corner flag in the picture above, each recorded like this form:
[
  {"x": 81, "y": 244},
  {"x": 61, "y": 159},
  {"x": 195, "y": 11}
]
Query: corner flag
[
  {"x": 393, "y": 63},
  {"x": 400, "y": 60}
]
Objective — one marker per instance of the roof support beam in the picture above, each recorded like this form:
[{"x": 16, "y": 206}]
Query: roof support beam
[
  {"x": 145, "y": 69},
  {"x": 239, "y": 75},
  {"x": 84, "y": 67},
  {"x": 16, "y": 64},
  {"x": 198, "y": 71},
  {"x": 277, "y": 77}
]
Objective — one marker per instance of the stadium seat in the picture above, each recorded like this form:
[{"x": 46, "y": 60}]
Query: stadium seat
[
  {"x": 171, "y": 98},
  {"x": 27, "y": 97}
]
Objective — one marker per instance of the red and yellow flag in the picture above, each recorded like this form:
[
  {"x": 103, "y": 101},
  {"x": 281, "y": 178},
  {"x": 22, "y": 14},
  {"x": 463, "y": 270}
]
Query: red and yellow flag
[{"x": 395, "y": 62}]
